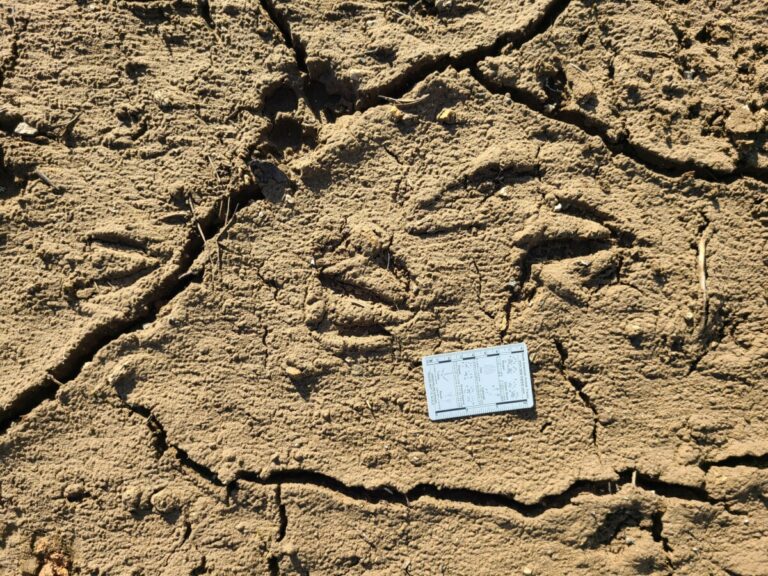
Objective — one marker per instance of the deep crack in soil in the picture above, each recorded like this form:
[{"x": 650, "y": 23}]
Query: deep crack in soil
[
  {"x": 146, "y": 310},
  {"x": 653, "y": 161},
  {"x": 475, "y": 497}
]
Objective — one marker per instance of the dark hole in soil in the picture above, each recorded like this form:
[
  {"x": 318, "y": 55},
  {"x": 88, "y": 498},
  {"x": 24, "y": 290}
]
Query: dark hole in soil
[{"x": 283, "y": 99}]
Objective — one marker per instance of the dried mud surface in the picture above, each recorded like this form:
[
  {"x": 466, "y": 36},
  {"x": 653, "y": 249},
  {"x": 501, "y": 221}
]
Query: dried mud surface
[{"x": 230, "y": 230}]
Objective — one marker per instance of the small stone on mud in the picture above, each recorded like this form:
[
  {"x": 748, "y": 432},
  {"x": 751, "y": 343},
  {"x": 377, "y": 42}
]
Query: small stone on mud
[
  {"x": 24, "y": 129},
  {"x": 292, "y": 371},
  {"x": 55, "y": 565},
  {"x": 395, "y": 114},
  {"x": 447, "y": 116},
  {"x": 417, "y": 458},
  {"x": 742, "y": 122},
  {"x": 527, "y": 571},
  {"x": 633, "y": 330},
  {"x": 131, "y": 498},
  {"x": 176, "y": 188},
  {"x": 74, "y": 492}
]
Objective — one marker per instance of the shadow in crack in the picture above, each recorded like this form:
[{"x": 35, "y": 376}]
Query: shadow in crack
[
  {"x": 10, "y": 186},
  {"x": 273, "y": 183},
  {"x": 282, "y": 99}
]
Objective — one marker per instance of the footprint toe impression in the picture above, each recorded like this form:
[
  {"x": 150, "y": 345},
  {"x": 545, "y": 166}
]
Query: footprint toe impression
[{"x": 358, "y": 297}]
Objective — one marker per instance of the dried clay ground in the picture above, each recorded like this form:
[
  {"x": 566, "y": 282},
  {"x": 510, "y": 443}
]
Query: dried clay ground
[{"x": 229, "y": 231}]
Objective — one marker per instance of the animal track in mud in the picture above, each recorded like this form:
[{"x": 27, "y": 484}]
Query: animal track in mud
[
  {"x": 568, "y": 238},
  {"x": 361, "y": 296},
  {"x": 554, "y": 250},
  {"x": 144, "y": 311},
  {"x": 288, "y": 129}
]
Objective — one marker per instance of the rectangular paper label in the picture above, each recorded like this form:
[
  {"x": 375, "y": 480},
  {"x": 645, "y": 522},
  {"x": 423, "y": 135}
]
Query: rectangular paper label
[{"x": 481, "y": 381}]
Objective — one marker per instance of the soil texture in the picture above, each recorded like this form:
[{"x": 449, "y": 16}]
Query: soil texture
[{"x": 230, "y": 230}]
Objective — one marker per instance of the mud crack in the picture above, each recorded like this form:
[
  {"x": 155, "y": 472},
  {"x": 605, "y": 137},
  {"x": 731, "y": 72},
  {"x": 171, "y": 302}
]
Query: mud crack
[
  {"x": 649, "y": 159},
  {"x": 144, "y": 310},
  {"x": 578, "y": 386},
  {"x": 386, "y": 493},
  {"x": 389, "y": 494},
  {"x": 405, "y": 83},
  {"x": 18, "y": 27},
  {"x": 284, "y": 27},
  {"x": 480, "y": 291},
  {"x": 396, "y": 88},
  {"x": 657, "y": 530},
  {"x": 204, "y": 10},
  {"x": 750, "y": 460}
]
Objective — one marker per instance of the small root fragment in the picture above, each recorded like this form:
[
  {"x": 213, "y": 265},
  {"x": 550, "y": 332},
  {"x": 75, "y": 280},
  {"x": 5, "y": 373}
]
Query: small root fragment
[
  {"x": 701, "y": 261},
  {"x": 405, "y": 102}
]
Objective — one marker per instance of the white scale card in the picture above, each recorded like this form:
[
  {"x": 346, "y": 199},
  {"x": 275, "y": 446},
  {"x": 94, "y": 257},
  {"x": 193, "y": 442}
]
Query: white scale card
[{"x": 481, "y": 381}]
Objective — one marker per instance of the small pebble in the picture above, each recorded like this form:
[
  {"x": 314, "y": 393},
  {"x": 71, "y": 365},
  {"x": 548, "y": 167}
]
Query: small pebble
[
  {"x": 292, "y": 371},
  {"x": 74, "y": 492},
  {"x": 633, "y": 330},
  {"x": 395, "y": 114},
  {"x": 417, "y": 458},
  {"x": 447, "y": 116},
  {"x": 24, "y": 129}
]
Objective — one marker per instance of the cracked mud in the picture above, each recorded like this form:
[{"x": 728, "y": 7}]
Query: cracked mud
[{"x": 229, "y": 231}]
